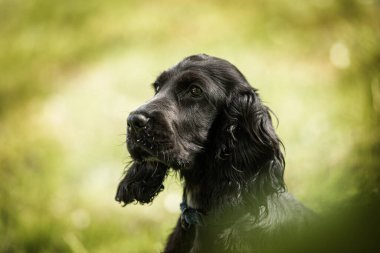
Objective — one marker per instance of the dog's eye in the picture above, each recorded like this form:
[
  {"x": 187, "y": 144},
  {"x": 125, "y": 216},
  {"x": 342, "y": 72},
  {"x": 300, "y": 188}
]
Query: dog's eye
[
  {"x": 156, "y": 87},
  {"x": 195, "y": 91}
]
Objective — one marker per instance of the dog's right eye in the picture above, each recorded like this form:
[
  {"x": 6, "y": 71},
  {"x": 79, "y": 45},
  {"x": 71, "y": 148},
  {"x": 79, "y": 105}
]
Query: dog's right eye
[
  {"x": 195, "y": 91},
  {"x": 156, "y": 87}
]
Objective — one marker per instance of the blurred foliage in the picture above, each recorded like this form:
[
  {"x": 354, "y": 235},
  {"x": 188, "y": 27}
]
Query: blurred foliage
[{"x": 70, "y": 72}]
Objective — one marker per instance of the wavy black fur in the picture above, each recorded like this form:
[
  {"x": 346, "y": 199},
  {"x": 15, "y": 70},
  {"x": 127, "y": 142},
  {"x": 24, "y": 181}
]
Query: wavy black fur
[
  {"x": 142, "y": 182},
  {"x": 207, "y": 123}
]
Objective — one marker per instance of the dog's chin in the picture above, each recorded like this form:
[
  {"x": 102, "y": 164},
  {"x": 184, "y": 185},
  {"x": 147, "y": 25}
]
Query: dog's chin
[
  {"x": 139, "y": 152},
  {"x": 168, "y": 157}
]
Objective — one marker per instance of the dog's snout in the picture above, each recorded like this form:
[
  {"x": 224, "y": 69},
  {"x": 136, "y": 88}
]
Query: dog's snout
[{"x": 137, "y": 120}]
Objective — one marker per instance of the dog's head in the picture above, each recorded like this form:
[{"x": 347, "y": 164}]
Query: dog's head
[{"x": 203, "y": 108}]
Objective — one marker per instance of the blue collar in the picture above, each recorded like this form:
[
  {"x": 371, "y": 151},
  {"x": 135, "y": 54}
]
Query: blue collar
[{"x": 190, "y": 216}]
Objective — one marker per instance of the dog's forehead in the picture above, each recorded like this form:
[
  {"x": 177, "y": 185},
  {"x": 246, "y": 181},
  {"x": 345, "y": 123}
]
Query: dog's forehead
[
  {"x": 189, "y": 73},
  {"x": 185, "y": 77},
  {"x": 196, "y": 63},
  {"x": 218, "y": 77}
]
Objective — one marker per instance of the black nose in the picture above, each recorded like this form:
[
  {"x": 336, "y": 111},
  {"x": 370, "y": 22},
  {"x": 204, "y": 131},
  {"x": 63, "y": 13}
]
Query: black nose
[{"x": 137, "y": 121}]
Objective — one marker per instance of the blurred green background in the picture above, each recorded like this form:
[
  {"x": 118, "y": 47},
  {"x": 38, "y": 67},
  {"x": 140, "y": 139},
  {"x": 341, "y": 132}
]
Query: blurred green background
[{"x": 71, "y": 71}]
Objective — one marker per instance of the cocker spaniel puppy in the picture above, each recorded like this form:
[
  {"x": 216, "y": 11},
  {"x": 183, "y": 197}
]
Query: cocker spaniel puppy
[{"x": 207, "y": 123}]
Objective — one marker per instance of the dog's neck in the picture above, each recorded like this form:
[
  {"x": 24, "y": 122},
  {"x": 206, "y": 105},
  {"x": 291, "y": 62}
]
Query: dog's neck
[
  {"x": 190, "y": 196},
  {"x": 209, "y": 194},
  {"x": 208, "y": 189}
]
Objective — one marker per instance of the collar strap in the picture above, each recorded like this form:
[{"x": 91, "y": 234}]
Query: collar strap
[{"x": 190, "y": 216}]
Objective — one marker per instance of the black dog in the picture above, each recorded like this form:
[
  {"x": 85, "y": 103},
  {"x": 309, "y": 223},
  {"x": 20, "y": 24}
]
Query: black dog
[{"x": 209, "y": 124}]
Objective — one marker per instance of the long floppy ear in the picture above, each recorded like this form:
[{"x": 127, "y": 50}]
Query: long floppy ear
[
  {"x": 251, "y": 144},
  {"x": 142, "y": 182}
]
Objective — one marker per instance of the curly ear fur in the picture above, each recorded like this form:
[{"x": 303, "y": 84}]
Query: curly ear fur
[
  {"x": 251, "y": 147},
  {"x": 142, "y": 182}
]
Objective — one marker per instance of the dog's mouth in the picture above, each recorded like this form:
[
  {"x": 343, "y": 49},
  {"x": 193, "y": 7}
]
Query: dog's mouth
[
  {"x": 145, "y": 146},
  {"x": 139, "y": 145}
]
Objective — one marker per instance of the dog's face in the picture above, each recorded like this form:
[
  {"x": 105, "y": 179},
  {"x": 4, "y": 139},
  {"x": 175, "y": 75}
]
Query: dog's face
[
  {"x": 173, "y": 127},
  {"x": 204, "y": 117}
]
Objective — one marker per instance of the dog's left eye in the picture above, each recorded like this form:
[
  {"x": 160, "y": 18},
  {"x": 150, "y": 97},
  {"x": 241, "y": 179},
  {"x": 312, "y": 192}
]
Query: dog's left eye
[{"x": 195, "y": 91}]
